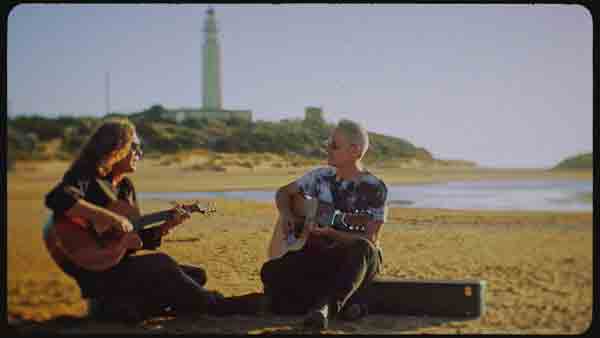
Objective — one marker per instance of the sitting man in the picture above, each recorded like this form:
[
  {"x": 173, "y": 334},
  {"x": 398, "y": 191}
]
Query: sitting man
[{"x": 321, "y": 277}]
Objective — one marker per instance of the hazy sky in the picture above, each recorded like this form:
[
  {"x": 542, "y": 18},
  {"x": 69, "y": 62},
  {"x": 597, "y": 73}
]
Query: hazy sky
[{"x": 501, "y": 85}]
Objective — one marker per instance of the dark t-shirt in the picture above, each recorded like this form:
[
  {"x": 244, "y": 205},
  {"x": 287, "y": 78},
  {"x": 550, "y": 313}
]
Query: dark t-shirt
[
  {"x": 75, "y": 185},
  {"x": 97, "y": 190}
]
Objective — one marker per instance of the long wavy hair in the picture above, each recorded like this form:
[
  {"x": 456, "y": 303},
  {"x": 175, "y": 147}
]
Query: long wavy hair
[{"x": 110, "y": 143}]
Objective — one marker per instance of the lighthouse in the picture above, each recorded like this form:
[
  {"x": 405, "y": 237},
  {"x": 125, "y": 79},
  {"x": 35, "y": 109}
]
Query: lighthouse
[
  {"x": 212, "y": 102},
  {"x": 211, "y": 66}
]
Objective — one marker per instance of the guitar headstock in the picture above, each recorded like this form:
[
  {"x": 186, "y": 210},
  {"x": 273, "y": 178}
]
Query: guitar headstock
[
  {"x": 360, "y": 214},
  {"x": 356, "y": 220}
]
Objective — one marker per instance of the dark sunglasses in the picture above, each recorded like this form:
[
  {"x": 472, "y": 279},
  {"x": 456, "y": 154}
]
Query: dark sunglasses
[
  {"x": 334, "y": 146},
  {"x": 136, "y": 149},
  {"x": 331, "y": 145}
]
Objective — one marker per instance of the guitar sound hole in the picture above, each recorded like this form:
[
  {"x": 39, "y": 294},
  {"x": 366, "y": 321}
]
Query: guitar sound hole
[{"x": 298, "y": 227}]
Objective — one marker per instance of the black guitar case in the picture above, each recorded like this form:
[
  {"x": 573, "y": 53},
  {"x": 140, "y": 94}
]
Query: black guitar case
[{"x": 439, "y": 298}]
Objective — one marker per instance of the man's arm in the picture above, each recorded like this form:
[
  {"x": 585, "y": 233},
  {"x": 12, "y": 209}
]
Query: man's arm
[
  {"x": 283, "y": 198},
  {"x": 67, "y": 198},
  {"x": 101, "y": 218},
  {"x": 285, "y": 221}
]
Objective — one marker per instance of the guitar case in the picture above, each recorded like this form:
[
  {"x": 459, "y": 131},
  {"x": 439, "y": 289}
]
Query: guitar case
[{"x": 440, "y": 298}]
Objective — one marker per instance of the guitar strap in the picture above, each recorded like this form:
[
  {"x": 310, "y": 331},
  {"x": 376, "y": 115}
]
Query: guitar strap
[
  {"x": 110, "y": 194},
  {"x": 105, "y": 187},
  {"x": 338, "y": 195},
  {"x": 334, "y": 186}
]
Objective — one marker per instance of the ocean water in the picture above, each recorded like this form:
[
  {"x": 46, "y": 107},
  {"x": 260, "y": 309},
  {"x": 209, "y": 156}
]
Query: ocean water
[{"x": 543, "y": 195}]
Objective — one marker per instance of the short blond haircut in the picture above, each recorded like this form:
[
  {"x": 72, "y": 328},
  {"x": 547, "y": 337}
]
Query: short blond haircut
[{"x": 355, "y": 133}]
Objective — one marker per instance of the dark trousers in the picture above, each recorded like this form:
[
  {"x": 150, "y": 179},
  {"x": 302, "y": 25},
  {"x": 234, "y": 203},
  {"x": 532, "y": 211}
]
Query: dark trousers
[
  {"x": 153, "y": 281},
  {"x": 302, "y": 279}
]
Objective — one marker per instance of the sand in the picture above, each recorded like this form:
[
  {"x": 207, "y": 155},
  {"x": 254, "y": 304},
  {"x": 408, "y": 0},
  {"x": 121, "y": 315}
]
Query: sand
[{"x": 537, "y": 265}]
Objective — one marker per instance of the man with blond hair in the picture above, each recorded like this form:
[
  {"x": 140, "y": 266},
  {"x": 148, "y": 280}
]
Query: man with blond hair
[{"x": 320, "y": 278}]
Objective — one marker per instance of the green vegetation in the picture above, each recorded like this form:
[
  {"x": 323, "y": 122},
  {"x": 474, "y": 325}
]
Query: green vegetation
[
  {"x": 28, "y": 136},
  {"x": 586, "y": 197},
  {"x": 581, "y": 161}
]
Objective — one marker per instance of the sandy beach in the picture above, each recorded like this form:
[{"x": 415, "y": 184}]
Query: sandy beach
[{"x": 538, "y": 266}]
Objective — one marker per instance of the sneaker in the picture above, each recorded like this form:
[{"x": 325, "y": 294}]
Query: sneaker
[
  {"x": 317, "y": 318},
  {"x": 213, "y": 297},
  {"x": 249, "y": 304},
  {"x": 110, "y": 310},
  {"x": 94, "y": 307},
  {"x": 354, "y": 311}
]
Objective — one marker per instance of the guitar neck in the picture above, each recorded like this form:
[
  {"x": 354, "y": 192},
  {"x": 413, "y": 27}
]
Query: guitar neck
[
  {"x": 325, "y": 214},
  {"x": 149, "y": 219}
]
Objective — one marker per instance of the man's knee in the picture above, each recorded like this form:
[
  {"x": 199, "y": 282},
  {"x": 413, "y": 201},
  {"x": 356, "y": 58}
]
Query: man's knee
[
  {"x": 361, "y": 249},
  {"x": 164, "y": 258},
  {"x": 197, "y": 273},
  {"x": 364, "y": 247},
  {"x": 199, "y": 276},
  {"x": 161, "y": 262},
  {"x": 266, "y": 272}
]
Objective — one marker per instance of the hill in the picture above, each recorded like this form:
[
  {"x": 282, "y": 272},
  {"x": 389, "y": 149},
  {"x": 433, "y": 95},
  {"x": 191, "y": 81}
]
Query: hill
[
  {"x": 41, "y": 138},
  {"x": 580, "y": 161}
]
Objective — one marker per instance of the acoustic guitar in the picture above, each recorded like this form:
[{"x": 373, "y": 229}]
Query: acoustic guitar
[
  {"x": 67, "y": 237},
  {"x": 323, "y": 214}
]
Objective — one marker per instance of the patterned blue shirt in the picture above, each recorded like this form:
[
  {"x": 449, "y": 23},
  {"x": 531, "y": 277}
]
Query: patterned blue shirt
[{"x": 364, "y": 193}]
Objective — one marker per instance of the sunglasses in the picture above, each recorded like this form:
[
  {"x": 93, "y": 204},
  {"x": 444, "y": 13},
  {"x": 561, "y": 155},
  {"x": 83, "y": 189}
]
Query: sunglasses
[
  {"x": 331, "y": 144},
  {"x": 136, "y": 149}
]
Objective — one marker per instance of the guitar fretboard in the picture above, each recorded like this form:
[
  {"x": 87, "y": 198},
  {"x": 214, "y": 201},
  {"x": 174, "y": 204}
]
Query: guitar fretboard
[{"x": 150, "y": 219}]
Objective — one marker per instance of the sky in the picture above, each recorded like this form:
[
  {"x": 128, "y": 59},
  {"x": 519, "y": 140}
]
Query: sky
[{"x": 507, "y": 86}]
